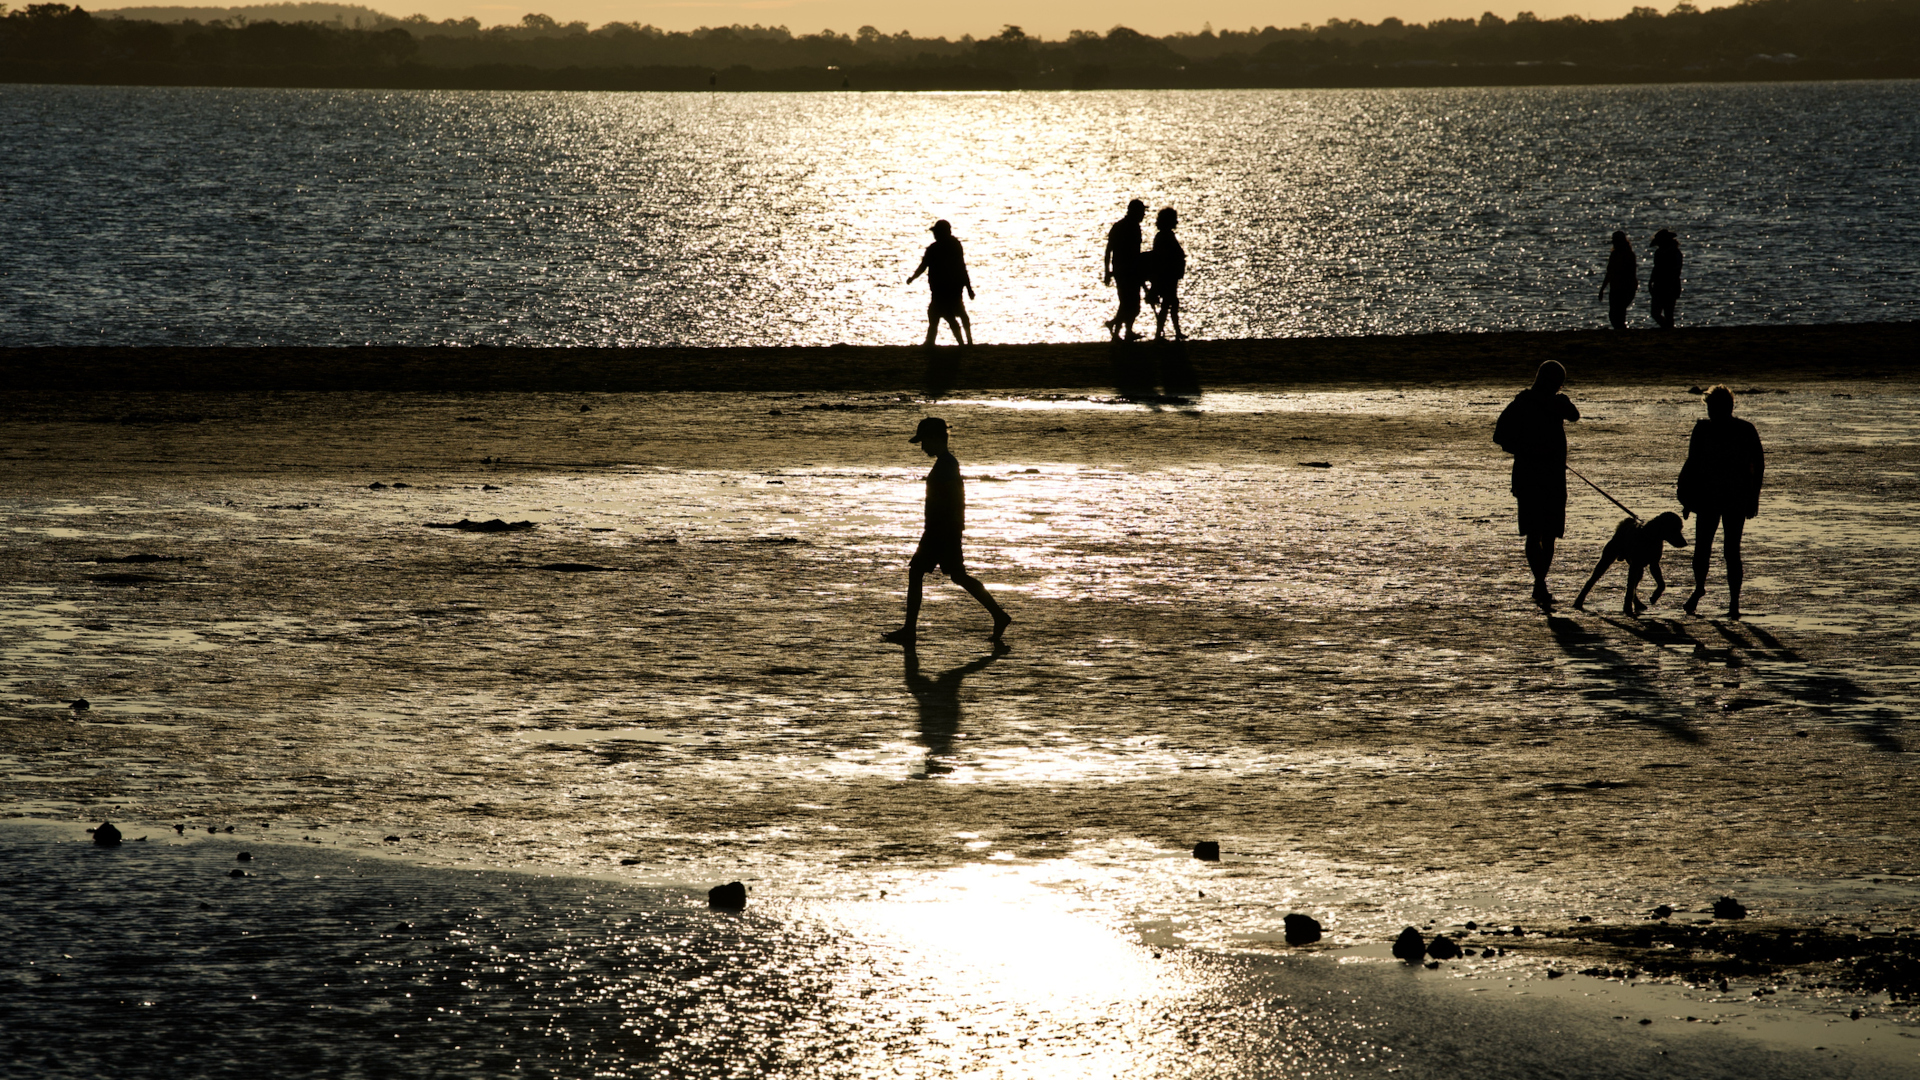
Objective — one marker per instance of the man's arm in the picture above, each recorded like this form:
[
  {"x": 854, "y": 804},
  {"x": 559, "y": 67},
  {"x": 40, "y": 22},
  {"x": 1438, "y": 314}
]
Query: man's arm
[
  {"x": 1106, "y": 262},
  {"x": 921, "y": 270}
]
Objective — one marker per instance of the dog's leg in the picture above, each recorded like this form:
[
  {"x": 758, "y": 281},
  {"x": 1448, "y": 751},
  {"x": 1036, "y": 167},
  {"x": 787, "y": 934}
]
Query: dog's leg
[
  {"x": 1632, "y": 606},
  {"x": 1606, "y": 560},
  {"x": 1659, "y": 582}
]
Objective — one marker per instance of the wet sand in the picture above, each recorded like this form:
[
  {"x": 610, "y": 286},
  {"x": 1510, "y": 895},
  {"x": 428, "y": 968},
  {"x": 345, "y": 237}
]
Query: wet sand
[{"x": 1283, "y": 613}]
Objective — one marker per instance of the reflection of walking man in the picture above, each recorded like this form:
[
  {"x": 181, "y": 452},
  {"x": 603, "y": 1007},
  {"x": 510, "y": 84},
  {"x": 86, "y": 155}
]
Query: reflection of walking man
[
  {"x": 945, "y": 265},
  {"x": 1530, "y": 429},
  {"x": 1721, "y": 483},
  {"x": 939, "y": 702},
  {"x": 1664, "y": 282},
  {"x": 1121, "y": 268},
  {"x": 1623, "y": 277},
  {"x": 940, "y": 543}
]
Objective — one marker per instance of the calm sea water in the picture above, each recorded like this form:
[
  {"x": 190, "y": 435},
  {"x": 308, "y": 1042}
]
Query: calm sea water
[{"x": 134, "y": 216}]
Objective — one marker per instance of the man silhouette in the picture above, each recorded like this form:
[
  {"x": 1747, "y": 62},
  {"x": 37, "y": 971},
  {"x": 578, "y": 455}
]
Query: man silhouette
[
  {"x": 1121, "y": 268},
  {"x": 945, "y": 265},
  {"x": 946, "y": 519},
  {"x": 1530, "y": 429},
  {"x": 1623, "y": 277}
]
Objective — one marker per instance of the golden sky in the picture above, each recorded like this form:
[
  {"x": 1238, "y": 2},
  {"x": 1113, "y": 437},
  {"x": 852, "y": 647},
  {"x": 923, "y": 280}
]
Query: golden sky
[{"x": 1046, "y": 18}]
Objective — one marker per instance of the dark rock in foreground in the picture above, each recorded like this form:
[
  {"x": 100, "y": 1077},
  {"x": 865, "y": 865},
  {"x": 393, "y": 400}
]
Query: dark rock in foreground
[
  {"x": 1410, "y": 946},
  {"x": 729, "y": 897},
  {"x": 1728, "y": 908},
  {"x": 106, "y": 835},
  {"x": 1207, "y": 850},
  {"x": 1443, "y": 947},
  {"x": 1302, "y": 929}
]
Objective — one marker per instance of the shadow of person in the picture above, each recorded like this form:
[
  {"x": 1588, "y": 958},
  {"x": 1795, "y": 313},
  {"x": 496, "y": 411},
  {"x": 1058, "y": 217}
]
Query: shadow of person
[
  {"x": 938, "y": 699},
  {"x": 1627, "y": 682},
  {"x": 942, "y": 373}
]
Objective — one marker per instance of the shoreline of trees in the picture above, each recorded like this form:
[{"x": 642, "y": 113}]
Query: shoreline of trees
[{"x": 1755, "y": 40}]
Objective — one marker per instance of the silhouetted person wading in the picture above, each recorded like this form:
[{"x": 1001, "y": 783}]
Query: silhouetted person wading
[
  {"x": 1721, "y": 483},
  {"x": 940, "y": 543},
  {"x": 1623, "y": 277},
  {"x": 1663, "y": 284},
  {"x": 945, "y": 265},
  {"x": 1166, "y": 265},
  {"x": 1121, "y": 266},
  {"x": 1530, "y": 429}
]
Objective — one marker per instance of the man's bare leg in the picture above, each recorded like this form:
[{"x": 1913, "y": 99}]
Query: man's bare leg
[
  {"x": 1001, "y": 620},
  {"x": 910, "y": 634}
]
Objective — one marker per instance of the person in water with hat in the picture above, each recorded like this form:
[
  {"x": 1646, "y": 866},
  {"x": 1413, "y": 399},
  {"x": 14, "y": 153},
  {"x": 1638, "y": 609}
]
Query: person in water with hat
[
  {"x": 940, "y": 542},
  {"x": 945, "y": 265},
  {"x": 1664, "y": 283}
]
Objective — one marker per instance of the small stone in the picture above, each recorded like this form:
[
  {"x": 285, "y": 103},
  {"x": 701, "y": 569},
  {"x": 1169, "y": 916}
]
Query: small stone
[
  {"x": 1433, "y": 965},
  {"x": 1584, "y": 918},
  {"x": 1302, "y": 929},
  {"x": 1663, "y": 912},
  {"x": 245, "y": 856},
  {"x": 1207, "y": 851},
  {"x": 376, "y": 486},
  {"x": 180, "y": 829},
  {"x": 106, "y": 835},
  {"x": 211, "y": 829},
  {"x": 729, "y": 897},
  {"x": 236, "y": 872},
  {"x": 1443, "y": 947},
  {"x": 80, "y": 705},
  {"x": 1728, "y": 908},
  {"x": 229, "y": 828},
  {"x": 1644, "y": 1023},
  {"x": 1552, "y": 974},
  {"x": 1410, "y": 946},
  {"x": 391, "y": 840},
  {"x": 1473, "y": 925},
  {"x": 586, "y": 408},
  {"x": 1488, "y": 954}
]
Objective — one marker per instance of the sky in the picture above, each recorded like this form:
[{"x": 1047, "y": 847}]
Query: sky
[{"x": 1044, "y": 18}]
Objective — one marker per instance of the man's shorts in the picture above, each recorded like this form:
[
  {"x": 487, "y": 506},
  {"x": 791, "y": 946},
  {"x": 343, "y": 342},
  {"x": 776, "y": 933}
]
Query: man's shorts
[
  {"x": 946, "y": 305},
  {"x": 1543, "y": 518},
  {"x": 938, "y": 553}
]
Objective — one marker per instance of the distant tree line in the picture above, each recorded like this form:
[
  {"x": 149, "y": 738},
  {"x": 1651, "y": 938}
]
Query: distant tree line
[{"x": 1754, "y": 39}]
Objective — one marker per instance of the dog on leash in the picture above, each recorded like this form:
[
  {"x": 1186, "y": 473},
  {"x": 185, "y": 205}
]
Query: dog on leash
[{"x": 1638, "y": 544}]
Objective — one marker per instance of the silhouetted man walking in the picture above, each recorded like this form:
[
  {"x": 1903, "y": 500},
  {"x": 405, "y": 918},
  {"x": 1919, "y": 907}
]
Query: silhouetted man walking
[
  {"x": 1121, "y": 267},
  {"x": 940, "y": 542},
  {"x": 945, "y": 265},
  {"x": 1530, "y": 429}
]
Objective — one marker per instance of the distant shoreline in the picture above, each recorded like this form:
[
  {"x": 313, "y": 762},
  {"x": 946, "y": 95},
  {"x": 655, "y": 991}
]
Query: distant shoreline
[
  {"x": 679, "y": 79},
  {"x": 1685, "y": 357}
]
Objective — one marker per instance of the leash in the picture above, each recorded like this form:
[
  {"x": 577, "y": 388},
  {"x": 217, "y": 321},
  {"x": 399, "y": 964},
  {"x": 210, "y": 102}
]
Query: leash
[{"x": 1603, "y": 493}]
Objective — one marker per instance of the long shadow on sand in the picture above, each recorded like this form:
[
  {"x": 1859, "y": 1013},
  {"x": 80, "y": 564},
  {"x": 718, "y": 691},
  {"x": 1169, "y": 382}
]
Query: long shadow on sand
[
  {"x": 1157, "y": 372},
  {"x": 938, "y": 699},
  {"x": 1779, "y": 669},
  {"x": 1630, "y": 685}
]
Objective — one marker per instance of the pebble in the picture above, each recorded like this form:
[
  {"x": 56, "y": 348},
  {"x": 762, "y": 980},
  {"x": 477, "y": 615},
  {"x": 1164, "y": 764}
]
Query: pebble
[
  {"x": 80, "y": 705},
  {"x": 236, "y": 872},
  {"x": 1410, "y": 946},
  {"x": 245, "y": 856},
  {"x": 729, "y": 897},
  {"x": 1728, "y": 908},
  {"x": 106, "y": 835},
  {"x": 1207, "y": 850},
  {"x": 1442, "y": 947}
]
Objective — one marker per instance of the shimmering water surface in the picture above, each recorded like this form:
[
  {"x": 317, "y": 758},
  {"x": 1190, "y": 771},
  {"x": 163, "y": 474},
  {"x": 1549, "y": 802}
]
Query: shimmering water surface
[{"x": 134, "y": 216}]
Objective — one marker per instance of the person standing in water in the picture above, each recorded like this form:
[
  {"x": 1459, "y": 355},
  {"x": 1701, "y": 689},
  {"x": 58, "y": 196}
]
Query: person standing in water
[
  {"x": 1166, "y": 265},
  {"x": 945, "y": 265},
  {"x": 1121, "y": 269},
  {"x": 1663, "y": 285},
  {"x": 946, "y": 519},
  {"x": 1623, "y": 277},
  {"x": 1721, "y": 483},
  {"x": 1530, "y": 428}
]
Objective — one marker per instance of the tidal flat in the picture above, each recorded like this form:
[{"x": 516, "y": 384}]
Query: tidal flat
[{"x": 1289, "y": 618}]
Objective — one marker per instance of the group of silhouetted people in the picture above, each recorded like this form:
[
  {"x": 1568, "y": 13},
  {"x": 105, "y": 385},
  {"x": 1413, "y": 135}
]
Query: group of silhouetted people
[
  {"x": 1719, "y": 483},
  {"x": 1154, "y": 272},
  {"x": 1622, "y": 279}
]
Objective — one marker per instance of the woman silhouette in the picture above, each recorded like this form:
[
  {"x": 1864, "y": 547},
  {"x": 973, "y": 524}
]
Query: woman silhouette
[
  {"x": 1721, "y": 483},
  {"x": 1166, "y": 265}
]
